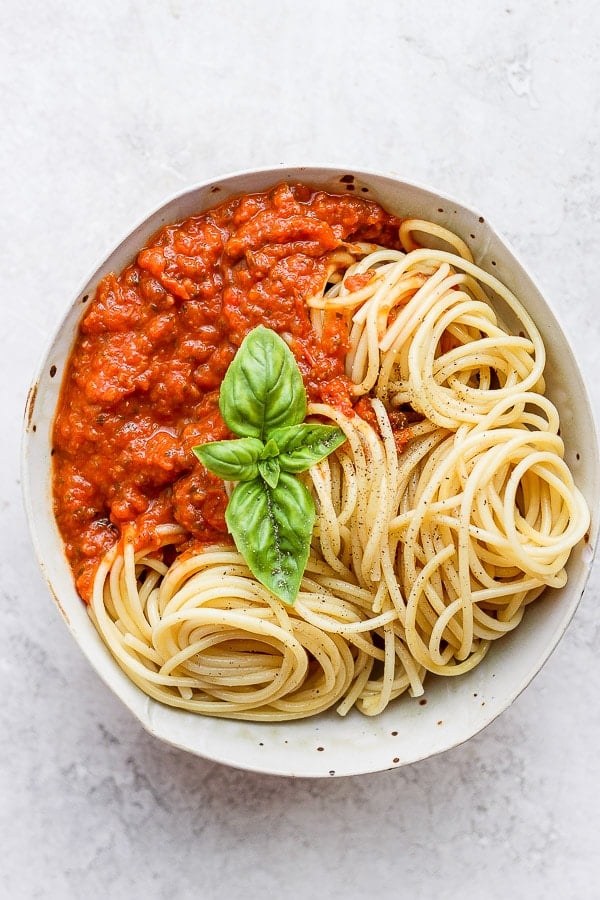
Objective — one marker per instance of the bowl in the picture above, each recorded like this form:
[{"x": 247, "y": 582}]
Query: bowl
[{"x": 407, "y": 731}]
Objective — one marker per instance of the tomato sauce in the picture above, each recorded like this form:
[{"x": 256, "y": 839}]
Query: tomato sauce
[{"x": 142, "y": 384}]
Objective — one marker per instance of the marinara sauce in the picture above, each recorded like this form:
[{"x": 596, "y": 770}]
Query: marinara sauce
[{"x": 142, "y": 383}]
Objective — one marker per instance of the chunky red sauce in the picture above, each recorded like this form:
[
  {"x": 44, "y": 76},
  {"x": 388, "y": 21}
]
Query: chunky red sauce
[{"x": 142, "y": 384}]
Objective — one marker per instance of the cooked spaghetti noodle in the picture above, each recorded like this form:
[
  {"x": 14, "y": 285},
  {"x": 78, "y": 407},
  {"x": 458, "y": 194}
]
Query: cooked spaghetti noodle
[{"x": 432, "y": 535}]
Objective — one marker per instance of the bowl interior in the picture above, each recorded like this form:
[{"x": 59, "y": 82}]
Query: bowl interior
[{"x": 409, "y": 730}]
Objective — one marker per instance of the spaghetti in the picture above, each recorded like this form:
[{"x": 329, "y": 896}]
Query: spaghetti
[{"x": 447, "y": 511}]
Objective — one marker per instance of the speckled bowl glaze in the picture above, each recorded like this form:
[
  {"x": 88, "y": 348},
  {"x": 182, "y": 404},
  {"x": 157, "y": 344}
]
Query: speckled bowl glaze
[{"x": 409, "y": 730}]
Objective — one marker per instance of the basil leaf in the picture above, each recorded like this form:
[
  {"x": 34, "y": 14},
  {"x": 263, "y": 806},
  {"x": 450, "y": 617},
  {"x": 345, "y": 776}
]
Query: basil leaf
[
  {"x": 270, "y": 513},
  {"x": 272, "y": 529},
  {"x": 269, "y": 450},
  {"x": 301, "y": 446},
  {"x": 263, "y": 387},
  {"x": 270, "y": 469},
  {"x": 233, "y": 460}
]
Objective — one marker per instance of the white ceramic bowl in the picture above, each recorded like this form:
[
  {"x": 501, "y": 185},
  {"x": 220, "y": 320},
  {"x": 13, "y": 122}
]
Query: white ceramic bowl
[{"x": 456, "y": 708}]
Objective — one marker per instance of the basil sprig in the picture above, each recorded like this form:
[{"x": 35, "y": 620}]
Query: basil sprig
[{"x": 270, "y": 513}]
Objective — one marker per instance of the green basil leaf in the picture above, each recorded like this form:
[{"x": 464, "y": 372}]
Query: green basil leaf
[
  {"x": 301, "y": 446},
  {"x": 269, "y": 450},
  {"x": 263, "y": 387},
  {"x": 233, "y": 460},
  {"x": 270, "y": 470},
  {"x": 272, "y": 529}
]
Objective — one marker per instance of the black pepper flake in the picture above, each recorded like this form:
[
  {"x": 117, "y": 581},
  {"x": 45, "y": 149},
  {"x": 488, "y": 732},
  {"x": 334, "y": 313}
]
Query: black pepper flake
[{"x": 52, "y": 371}]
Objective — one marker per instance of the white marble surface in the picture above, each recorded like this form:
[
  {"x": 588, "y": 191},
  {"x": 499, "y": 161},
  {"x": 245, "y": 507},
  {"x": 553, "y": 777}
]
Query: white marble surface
[{"x": 109, "y": 107}]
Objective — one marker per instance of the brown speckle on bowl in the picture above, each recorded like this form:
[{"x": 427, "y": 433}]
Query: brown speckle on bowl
[
  {"x": 31, "y": 402},
  {"x": 58, "y": 603}
]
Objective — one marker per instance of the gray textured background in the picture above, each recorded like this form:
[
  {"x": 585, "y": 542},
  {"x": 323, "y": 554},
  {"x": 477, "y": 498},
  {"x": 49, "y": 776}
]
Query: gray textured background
[{"x": 109, "y": 107}]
